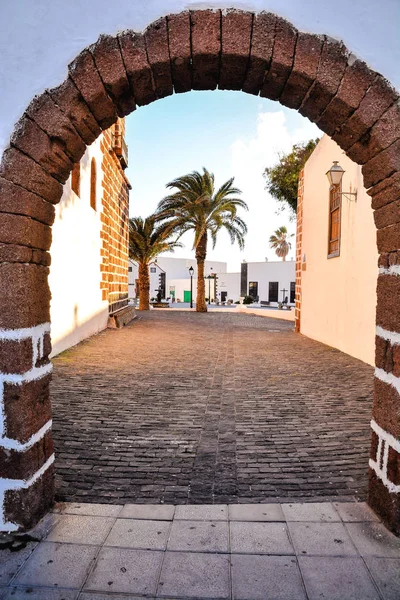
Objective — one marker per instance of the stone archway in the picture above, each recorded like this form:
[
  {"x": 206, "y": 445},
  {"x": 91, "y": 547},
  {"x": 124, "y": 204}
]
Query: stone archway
[{"x": 197, "y": 50}]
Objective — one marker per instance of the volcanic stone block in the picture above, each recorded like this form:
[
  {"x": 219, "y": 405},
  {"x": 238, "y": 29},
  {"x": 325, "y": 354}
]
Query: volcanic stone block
[
  {"x": 179, "y": 51},
  {"x": 236, "y": 40},
  {"x": 388, "y": 238},
  {"x": 262, "y": 44},
  {"x": 387, "y": 215},
  {"x": 384, "y": 133},
  {"x": 16, "y": 229},
  {"x": 282, "y": 60},
  {"x": 17, "y": 200},
  {"x": 206, "y": 48},
  {"x": 23, "y": 465},
  {"x": 156, "y": 39},
  {"x": 387, "y": 310},
  {"x": 383, "y": 165},
  {"x": 386, "y": 191},
  {"x": 138, "y": 70},
  {"x": 16, "y": 356}
]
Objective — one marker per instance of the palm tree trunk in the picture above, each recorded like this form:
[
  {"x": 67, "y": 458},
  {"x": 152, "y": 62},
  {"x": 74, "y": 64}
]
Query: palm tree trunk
[
  {"x": 144, "y": 287},
  {"x": 201, "y": 253}
]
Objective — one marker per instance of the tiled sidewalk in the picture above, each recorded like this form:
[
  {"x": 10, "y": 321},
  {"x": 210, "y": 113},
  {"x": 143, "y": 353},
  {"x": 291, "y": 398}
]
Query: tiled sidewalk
[{"x": 248, "y": 552}]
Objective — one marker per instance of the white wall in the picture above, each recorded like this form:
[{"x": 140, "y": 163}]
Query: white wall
[
  {"x": 282, "y": 271},
  {"x": 230, "y": 283},
  {"x": 77, "y": 309},
  {"x": 39, "y": 39},
  {"x": 338, "y": 294}
]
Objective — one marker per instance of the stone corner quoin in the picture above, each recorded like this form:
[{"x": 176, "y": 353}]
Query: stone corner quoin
[{"x": 259, "y": 53}]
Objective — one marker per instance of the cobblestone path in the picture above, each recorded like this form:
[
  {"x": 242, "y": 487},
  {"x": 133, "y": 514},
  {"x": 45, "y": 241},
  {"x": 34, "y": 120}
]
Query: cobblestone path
[{"x": 182, "y": 408}]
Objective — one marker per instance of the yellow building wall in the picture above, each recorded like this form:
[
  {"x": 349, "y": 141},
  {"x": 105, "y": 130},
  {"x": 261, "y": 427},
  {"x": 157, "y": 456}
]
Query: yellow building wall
[{"x": 338, "y": 295}]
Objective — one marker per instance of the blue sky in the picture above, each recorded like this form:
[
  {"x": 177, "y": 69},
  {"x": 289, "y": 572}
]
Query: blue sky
[{"x": 232, "y": 134}]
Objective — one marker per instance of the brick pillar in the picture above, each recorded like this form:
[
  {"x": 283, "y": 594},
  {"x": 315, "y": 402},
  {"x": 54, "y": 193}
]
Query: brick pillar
[{"x": 299, "y": 246}]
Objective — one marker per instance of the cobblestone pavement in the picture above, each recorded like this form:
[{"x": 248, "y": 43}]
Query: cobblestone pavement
[
  {"x": 336, "y": 551},
  {"x": 194, "y": 408}
]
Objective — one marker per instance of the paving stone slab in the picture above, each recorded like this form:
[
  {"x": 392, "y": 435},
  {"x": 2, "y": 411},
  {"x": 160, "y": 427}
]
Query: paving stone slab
[
  {"x": 202, "y": 512},
  {"x": 125, "y": 570},
  {"x": 88, "y": 509},
  {"x": 337, "y": 578},
  {"x": 30, "y": 593},
  {"x": 256, "y": 512},
  {"x": 386, "y": 574},
  {"x": 321, "y": 539},
  {"x": 355, "y": 512},
  {"x": 60, "y": 565},
  {"x": 156, "y": 512},
  {"x": 99, "y": 596},
  {"x": 259, "y": 538},
  {"x": 135, "y": 533},
  {"x": 77, "y": 529},
  {"x": 11, "y": 562},
  {"x": 261, "y": 577},
  {"x": 320, "y": 512},
  {"x": 199, "y": 536},
  {"x": 373, "y": 539},
  {"x": 194, "y": 575}
]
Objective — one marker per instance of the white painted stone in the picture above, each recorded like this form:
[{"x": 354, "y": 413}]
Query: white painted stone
[{"x": 386, "y": 440}]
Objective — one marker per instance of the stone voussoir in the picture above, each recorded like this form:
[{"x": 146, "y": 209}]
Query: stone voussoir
[
  {"x": 236, "y": 28},
  {"x": 262, "y": 44},
  {"x": 382, "y": 166},
  {"x": 388, "y": 293},
  {"x": 33, "y": 141},
  {"x": 331, "y": 68},
  {"x": 133, "y": 50},
  {"x": 156, "y": 40},
  {"x": 45, "y": 112},
  {"x": 17, "y": 200},
  {"x": 387, "y": 215},
  {"x": 71, "y": 102},
  {"x": 24, "y": 231},
  {"x": 386, "y": 407},
  {"x": 206, "y": 48},
  {"x": 24, "y": 171},
  {"x": 16, "y": 356},
  {"x": 388, "y": 238},
  {"x": 179, "y": 51},
  {"x": 84, "y": 74},
  {"x": 282, "y": 59},
  {"x": 108, "y": 60},
  {"x": 304, "y": 72}
]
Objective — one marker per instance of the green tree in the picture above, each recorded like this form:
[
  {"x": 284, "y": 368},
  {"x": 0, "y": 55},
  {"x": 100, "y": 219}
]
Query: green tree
[
  {"x": 279, "y": 241},
  {"x": 147, "y": 239},
  {"x": 283, "y": 178},
  {"x": 196, "y": 205}
]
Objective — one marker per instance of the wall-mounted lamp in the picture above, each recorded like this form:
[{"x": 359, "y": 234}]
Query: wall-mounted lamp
[{"x": 335, "y": 175}]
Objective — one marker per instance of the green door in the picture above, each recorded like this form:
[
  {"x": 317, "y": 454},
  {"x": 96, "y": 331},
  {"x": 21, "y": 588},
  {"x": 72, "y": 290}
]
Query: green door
[{"x": 186, "y": 295}]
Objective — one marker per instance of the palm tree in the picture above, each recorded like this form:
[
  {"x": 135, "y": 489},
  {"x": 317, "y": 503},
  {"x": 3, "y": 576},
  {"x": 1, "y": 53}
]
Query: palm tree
[
  {"x": 197, "y": 206},
  {"x": 147, "y": 239},
  {"x": 279, "y": 241}
]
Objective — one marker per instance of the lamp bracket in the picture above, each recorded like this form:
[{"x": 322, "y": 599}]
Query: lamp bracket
[{"x": 347, "y": 194}]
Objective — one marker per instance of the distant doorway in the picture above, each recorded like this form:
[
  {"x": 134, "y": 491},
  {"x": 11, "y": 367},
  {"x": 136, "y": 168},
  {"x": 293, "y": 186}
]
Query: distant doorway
[{"x": 186, "y": 296}]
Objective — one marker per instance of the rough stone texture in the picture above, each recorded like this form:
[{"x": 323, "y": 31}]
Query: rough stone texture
[
  {"x": 385, "y": 164},
  {"x": 33, "y": 141},
  {"x": 71, "y": 102},
  {"x": 241, "y": 428},
  {"x": 23, "y": 254},
  {"x": 386, "y": 407},
  {"x": 262, "y": 44},
  {"x": 356, "y": 80},
  {"x": 26, "y": 507},
  {"x": 17, "y": 229},
  {"x": 54, "y": 122},
  {"x": 388, "y": 215},
  {"x": 388, "y": 238},
  {"x": 331, "y": 68},
  {"x": 236, "y": 38},
  {"x": 15, "y": 356},
  {"x": 282, "y": 59},
  {"x": 385, "y": 131},
  {"x": 179, "y": 51},
  {"x": 23, "y": 465},
  {"x": 385, "y": 504},
  {"x": 17, "y": 200},
  {"x": 156, "y": 40},
  {"x": 379, "y": 97},
  {"x": 87, "y": 79},
  {"x": 22, "y": 170},
  {"x": 385, "y": 191},
  {"x": 206, "y": 48},
  {"x": 139, "y": 73},
  {"x": 388, "y": 290},
  {"x": 109, "y": 63},
  {"x": 26, "y": 408},
  {"x": 393, "y": 466},
  {"x": 304, "y": 72},
  {"x": 24, "y": 295}
]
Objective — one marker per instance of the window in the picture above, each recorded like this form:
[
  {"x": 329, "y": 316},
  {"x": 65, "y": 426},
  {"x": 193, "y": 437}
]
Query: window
[
  {"x": 153, "y": 270},
  {"x": 129, "y": 269},
  {"x": 334, "y": 221},
  {"x": 76, "y": 179},
  {"x": 273, "y": 291},
  {"x": 93, "y": 182},
  {"x": 253, "y": 289},
  {"x": 292, "y": 292}
]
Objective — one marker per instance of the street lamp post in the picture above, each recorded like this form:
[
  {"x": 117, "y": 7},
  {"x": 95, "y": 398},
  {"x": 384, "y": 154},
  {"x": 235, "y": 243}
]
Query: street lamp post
[{"x": 191, "y": 271}]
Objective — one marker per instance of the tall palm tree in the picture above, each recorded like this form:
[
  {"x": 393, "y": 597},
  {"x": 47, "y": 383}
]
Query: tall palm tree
[
  {"x": 147, "y": 239},
  {"x": 280, "y": 242},
  {"x": 196, "y": 205}
]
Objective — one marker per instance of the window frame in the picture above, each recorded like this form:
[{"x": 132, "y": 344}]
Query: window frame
[
  {"x": 93, "y": 184},
  {"x": 269, "y": 291},
  {"x": 333, "y": 191}
]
